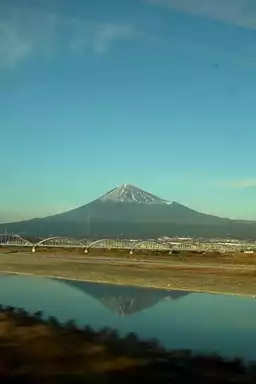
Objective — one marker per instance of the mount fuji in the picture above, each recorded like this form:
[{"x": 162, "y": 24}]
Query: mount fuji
[
  {"x": 131, "y": 212},
  {"x": 129, "y": 203},
  {"x": 127, "y": 193}
]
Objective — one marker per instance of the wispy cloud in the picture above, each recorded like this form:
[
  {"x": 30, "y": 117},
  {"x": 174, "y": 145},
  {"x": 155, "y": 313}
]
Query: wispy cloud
[
  {"x": 239, "y": 12},
  {"x": 100, "y": 36},
  {"x": 243, "y": 183},
  {"x": 26, "y": 32},
  {"x": 13, "y": 48}
]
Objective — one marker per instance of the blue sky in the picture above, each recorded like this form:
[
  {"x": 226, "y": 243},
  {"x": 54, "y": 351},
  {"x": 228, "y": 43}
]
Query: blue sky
[{"x": 156, "y": 93}]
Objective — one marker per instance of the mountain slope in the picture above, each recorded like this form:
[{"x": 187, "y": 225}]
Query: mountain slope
[
  {"x": 127, "y": 193},
  {"x": 132, "y": 212},
  {"x": 129, "y": 203}
]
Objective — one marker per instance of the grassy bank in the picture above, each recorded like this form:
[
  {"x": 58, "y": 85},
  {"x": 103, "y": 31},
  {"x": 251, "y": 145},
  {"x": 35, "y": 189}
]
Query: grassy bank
[{"x": 45, "y": 350}]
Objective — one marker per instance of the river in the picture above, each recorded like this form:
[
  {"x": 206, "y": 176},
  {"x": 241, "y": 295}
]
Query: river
[{"x": 197, "y": 321}]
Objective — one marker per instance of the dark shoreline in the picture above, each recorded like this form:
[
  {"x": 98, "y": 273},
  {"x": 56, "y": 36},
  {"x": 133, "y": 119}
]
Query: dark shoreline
[{"x": 39, "y": 349}]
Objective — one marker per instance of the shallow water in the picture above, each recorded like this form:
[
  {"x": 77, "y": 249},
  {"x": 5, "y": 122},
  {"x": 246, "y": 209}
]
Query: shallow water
[{"x": 202, "y": 322}]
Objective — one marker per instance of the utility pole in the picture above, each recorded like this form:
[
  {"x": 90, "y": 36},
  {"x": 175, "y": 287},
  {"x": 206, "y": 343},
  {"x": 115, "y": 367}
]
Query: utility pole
[{"x": 88, "y": 226}]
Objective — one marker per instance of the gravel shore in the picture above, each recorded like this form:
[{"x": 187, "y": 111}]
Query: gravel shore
[{"x": 211, "y": 278}]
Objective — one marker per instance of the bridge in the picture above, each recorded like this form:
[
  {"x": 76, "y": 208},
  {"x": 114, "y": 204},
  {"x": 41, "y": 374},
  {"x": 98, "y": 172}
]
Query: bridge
[{"x": 13, "y": 240}]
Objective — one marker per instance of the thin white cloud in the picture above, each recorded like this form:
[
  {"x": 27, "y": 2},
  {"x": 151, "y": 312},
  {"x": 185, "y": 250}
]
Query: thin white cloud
[
  {"x": 13, "y": 48},
  {"x": 239, "y": 12},
  {"x": 100, "y": 36},
  {"x": 241, "y": 184},
  {"x": 26, "y": 32}
]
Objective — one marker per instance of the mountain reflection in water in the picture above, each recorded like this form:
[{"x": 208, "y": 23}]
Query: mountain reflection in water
[
  {"x": 125, "y": 300},
  {"x": 199, "y": 321}
]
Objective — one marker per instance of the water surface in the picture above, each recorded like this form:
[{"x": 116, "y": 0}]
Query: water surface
[{"x": 202, "y": 322}]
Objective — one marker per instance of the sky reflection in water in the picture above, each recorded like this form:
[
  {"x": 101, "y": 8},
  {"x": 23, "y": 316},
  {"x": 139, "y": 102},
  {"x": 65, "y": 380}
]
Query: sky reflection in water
[{"x": 203, "y": 322}]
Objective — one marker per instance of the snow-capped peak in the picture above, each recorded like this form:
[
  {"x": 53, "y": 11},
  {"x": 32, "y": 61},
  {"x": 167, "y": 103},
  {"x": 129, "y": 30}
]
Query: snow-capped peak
[{"x": 127, "y": 193}]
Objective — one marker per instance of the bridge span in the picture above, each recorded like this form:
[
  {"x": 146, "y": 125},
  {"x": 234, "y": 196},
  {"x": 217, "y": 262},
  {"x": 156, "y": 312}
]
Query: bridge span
[{"x": 15, "y": 240}]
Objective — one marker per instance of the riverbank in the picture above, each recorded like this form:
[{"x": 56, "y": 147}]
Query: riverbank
[
  {"x": 43, "y": 350},
  {"x": 217, "y": 279}
]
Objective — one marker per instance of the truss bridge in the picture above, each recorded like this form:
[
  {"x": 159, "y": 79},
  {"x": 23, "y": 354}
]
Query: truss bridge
[{"x": 15, "y": 240}]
